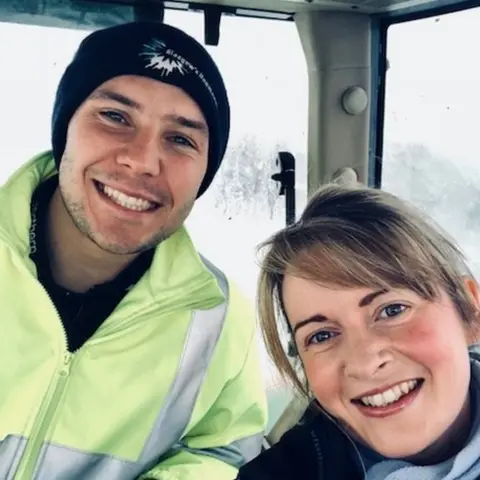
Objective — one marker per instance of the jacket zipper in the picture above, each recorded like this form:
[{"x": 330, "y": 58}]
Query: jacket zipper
[
  {"x": 42, "y": 421},
  {"x": 46, "y": 412},
  {"x": 357, "y": 452}
]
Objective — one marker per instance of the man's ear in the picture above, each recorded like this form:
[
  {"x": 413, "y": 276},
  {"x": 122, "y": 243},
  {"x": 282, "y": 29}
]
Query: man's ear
[{"x": 471, "y": 287}]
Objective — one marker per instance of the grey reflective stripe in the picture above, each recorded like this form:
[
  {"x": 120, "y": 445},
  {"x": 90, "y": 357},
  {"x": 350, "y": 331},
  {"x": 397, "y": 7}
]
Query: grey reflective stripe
[
  {"x": 249, "y": 447},
  {"x": 11, "y": 451},
  {"x": 245, "y": 449},
  {"x": 219, "y": 275},
  {"x": 63, "y": 463},
  {"x": 205, "y": 329},
  {"x": 237, "y": 453}
]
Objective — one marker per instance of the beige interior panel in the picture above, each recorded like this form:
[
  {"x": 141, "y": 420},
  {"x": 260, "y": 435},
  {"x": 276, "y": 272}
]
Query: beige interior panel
[{"x": 337, "y": 49}]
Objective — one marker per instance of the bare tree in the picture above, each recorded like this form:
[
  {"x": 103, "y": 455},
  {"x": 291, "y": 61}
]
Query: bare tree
[{"x": 244, "y": 183}]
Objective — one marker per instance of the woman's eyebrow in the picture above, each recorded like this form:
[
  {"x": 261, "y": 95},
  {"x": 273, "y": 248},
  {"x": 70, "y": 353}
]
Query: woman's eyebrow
[
  {"x": 317, "y": 318},
  {"x": 368, "y": 299}
]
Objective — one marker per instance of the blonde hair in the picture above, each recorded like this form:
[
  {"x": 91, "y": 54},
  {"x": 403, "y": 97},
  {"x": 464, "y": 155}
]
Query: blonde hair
[{"x": 357, "y": 237}]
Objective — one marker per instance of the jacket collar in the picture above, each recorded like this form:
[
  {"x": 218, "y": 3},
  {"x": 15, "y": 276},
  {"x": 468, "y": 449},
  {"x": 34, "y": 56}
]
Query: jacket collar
[{"x": 176, "y": 262}]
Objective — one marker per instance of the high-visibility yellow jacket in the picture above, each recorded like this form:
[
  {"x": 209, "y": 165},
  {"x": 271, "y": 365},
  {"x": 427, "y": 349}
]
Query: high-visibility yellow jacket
[{"x": 169, "y": 387}]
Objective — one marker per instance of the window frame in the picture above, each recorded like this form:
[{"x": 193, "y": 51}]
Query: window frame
[{"x": 380, "y": 26}]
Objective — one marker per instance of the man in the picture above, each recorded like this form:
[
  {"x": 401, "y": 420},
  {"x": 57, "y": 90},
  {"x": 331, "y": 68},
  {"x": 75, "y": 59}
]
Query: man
[{"x": 125, "y": 354}]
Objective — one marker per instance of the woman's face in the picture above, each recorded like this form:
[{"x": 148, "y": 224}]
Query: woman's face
[{"x": 389, "y": 365}]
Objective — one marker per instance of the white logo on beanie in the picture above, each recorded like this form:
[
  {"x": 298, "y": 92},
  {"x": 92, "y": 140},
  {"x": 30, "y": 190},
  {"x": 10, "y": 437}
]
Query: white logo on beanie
[
  {"x": 163, "y": 59},
  {"x": 166, "y": 60}
]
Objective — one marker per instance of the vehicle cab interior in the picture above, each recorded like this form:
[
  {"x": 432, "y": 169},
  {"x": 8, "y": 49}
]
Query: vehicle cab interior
[{"x": 381, "y": 92}]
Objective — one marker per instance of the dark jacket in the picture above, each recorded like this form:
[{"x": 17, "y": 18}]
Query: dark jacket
[{"x": 315, "y": 450}]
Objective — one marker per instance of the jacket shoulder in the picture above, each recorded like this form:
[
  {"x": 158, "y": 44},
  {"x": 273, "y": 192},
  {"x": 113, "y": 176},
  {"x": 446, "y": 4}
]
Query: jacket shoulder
[{"x": 240, "y": 313}]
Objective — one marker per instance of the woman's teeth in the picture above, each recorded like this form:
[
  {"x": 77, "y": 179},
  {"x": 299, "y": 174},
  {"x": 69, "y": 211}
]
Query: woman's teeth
[{"x": 389, "y": 396}]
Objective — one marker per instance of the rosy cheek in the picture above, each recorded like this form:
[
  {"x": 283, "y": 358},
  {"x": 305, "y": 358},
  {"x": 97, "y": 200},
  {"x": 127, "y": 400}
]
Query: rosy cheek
[
  {"x": 323, "y": 380},
  {"x": 425, "y": 341}
]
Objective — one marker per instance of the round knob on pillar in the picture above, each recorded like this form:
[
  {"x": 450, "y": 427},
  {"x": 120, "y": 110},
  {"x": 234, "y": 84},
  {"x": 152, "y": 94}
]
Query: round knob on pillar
[{"x": 354, "y": 100}]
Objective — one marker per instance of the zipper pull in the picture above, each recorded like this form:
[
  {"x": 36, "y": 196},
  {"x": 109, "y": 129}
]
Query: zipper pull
[{"x": 67, "y": 360}]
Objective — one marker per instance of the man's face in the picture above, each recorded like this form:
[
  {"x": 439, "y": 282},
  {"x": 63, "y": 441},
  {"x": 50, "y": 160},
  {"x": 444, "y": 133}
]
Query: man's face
[{"x": 135, "y": 157}]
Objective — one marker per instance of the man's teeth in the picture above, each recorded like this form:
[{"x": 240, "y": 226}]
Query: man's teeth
[
  {"x": 391, "y": 395},
  {"x": 132, "y": 203}
]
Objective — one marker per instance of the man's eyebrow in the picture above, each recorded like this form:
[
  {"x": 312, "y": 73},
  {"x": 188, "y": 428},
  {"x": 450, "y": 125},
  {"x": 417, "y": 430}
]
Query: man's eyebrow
[
  {"x": 317, "y": 318},
  {"x": 105, "y": 94},
  {"x": 189, "y": 123}
]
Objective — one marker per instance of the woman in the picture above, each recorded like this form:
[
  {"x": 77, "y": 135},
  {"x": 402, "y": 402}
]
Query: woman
[{"x": 380, "y": 310}]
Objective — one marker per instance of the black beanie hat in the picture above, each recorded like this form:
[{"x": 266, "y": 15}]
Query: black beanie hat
[{"x": 153, "y": 50}]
